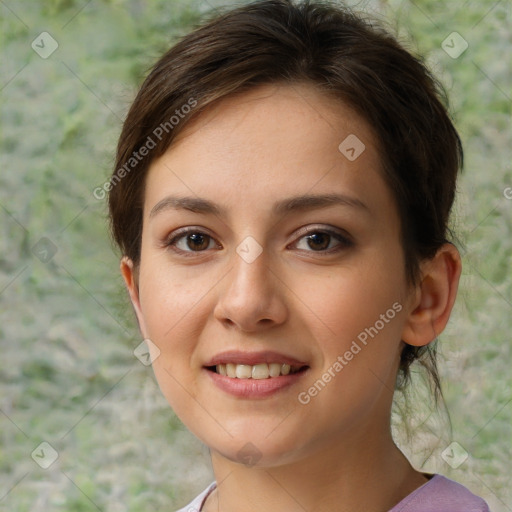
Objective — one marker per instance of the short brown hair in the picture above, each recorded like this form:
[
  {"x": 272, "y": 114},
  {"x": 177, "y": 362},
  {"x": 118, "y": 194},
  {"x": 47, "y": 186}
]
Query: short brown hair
[{"x": 337, "y": 52}]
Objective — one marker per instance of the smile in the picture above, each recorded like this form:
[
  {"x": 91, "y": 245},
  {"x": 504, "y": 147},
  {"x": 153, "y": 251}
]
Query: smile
[
  {"x": 256, "y": 371},
  {"x": 255, "y": 375}
]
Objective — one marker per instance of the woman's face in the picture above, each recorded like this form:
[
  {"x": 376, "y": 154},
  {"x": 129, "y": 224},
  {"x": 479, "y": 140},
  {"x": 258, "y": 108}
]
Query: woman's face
[{"x": 247, "y": 286}]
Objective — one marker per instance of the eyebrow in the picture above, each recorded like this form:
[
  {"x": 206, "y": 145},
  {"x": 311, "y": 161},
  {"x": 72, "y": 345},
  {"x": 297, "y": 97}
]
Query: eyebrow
[{"x": 280, "y": 208}]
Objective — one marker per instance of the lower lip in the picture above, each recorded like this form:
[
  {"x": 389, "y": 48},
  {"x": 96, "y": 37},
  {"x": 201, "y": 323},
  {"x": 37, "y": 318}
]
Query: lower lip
[{"x": 254, "y": 388}]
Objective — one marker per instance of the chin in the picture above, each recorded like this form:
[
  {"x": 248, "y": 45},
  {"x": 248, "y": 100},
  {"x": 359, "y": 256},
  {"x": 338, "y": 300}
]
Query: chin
[{"x": 255, "y": 448}]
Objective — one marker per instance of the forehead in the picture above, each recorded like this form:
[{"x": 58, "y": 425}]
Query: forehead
[{"x": 273, "y": 141}]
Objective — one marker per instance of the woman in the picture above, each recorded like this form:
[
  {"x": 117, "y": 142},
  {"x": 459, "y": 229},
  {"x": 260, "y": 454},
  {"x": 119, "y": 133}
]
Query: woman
[{"x": 281, "y": 198}]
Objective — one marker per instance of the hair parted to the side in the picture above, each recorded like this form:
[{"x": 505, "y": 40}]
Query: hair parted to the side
[{"x": 340, "y": 54}]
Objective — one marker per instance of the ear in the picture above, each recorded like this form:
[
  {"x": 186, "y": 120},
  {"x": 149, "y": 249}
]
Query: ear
[
  {"x": 130, "y": 276},
  {"x": 434, "y": 297}
]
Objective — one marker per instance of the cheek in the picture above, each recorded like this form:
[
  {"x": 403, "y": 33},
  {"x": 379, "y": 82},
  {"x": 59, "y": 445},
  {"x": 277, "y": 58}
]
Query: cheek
[
  {"x": 173, "y": 306},
  {"x": 357, "y": 327},
  {"x": 357, "y": 323},
  {"x": 342, "y": 304},
  {"x": 167, "y": 296}
]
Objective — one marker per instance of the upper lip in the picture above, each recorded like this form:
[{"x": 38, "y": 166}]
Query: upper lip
[{"x": 253, "y": 358}]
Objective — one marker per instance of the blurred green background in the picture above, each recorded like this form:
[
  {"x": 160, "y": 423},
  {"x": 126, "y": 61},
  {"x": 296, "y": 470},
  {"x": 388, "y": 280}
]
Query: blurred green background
[{"x": 68, "y": 374}]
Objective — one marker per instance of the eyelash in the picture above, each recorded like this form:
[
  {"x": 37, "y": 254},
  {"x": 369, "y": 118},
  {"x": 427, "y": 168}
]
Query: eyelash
[{"x": 345, "y": 242}]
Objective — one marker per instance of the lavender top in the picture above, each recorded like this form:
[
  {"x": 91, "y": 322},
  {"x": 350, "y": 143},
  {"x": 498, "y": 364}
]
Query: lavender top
[{"x": 439, "y": 494}]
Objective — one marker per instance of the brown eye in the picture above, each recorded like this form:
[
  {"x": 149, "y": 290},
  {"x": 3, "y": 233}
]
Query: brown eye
[
  {"x": 190, "y": 241},
  {"x": 197, "y": 241},
  {"x": 322, "y": 241},
  {"x": 318, "y": 241}
]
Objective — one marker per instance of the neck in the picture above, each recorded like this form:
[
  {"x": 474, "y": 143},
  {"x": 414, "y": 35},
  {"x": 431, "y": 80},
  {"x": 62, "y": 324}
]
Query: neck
[{"x": 362, "y": 471}]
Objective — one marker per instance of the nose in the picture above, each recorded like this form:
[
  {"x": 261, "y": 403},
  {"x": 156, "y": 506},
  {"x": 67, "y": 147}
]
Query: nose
[{"x": 253, "y": 296}]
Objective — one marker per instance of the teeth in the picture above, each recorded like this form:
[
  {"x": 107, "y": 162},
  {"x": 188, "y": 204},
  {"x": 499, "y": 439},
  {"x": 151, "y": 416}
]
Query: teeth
[
  {"x": 257, "y": 371},
  {"x": 230, "y": 370},
  {"x": 260, "y": 371},
  {"x": 274, "y": 369},
  {"x": 243, "y": 371}
]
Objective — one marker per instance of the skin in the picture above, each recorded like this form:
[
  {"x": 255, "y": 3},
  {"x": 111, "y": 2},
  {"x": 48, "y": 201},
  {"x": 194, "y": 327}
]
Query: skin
[{"x": 245, "y": 154}]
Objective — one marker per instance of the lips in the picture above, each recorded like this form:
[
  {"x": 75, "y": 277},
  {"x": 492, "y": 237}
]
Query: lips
[
  {"x": 254, "y": 373},
  {"x": 253, "y": 389}
]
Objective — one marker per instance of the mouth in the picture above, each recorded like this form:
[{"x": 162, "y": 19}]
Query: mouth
[
  {"x": 257, "y": 371},
  {"x": 255, "y": 375}
]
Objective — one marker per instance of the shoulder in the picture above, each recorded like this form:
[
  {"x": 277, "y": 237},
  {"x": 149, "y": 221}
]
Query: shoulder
[
  {"x": 440, "y": 494},
  {"x": 197, "y": 503}
]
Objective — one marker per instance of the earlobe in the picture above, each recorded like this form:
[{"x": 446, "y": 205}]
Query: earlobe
[
  {"x": 434, "y": 297},
  {"x": 129, "y": 273}
]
